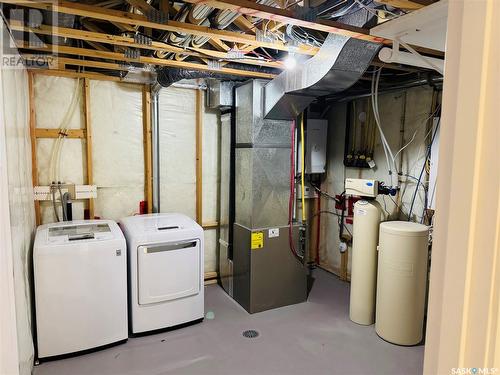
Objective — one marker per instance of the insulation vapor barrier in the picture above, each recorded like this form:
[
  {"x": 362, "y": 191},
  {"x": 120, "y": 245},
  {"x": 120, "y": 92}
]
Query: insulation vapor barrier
[
  {"x": 15, "y": 147},
  {"x": 177, "y": 135},
  {"x": 117, "y": 143}
]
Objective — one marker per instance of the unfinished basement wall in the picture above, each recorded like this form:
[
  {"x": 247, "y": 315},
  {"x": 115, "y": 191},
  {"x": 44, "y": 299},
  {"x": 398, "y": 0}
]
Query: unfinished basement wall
[
  {"x": 118, "y": 150},
  {"x": 18, "y": 218},
  {"x": 178, "y": 193},
  {"x": 117, "y": 143},
  {"x": 404, "y": 112}
]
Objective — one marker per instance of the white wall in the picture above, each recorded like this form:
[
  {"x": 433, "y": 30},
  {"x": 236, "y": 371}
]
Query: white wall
[
  {"x": 18, "y": 222},
  {"x": 391, "y": 106}
]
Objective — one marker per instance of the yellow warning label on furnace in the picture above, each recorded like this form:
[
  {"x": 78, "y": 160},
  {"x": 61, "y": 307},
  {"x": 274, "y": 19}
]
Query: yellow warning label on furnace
[{"x": 257, "y": 241}]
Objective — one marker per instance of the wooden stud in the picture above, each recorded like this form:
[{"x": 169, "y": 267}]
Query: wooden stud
[
  {"x": 148, "y": 157},
  {"x": 88, "y": 143},
  {"x": 199, "y": 156},
  {"x": 213, "y": 225},
  {"x": 55, "y": 133},
  {"x": 34, "y": 164}
]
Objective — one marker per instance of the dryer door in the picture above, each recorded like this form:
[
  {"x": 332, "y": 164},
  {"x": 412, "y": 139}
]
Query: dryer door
[{"x": 168, "y": 271}]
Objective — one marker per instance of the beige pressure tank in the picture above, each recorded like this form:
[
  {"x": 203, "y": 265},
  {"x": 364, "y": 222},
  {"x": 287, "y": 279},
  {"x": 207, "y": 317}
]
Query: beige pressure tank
[
  {"x": 364, "y": 261},
  {"x": 401, "y": 281}
]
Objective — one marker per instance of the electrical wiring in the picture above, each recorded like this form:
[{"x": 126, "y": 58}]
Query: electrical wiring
[
  {"x": 423, "y": 169},
  {"x": 324, "y": 193},
  {"x": 415, "y": 133},
  {"x": 385, "y": 145},
  {"x": 326, "y": 212},
  {"x": 292, "y": 194},
  {"x": 53, "y": 193},
  {"x": 371, "y": 11}
]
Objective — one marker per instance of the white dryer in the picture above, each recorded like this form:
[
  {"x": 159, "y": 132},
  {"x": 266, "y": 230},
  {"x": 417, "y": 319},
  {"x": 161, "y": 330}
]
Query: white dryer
[
  {"x": 80, "y": 273},
  {"x": 165, "y": 253}
]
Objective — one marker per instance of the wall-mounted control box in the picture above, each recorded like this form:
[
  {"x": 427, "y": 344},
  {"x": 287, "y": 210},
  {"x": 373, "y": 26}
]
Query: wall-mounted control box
[
  {"x": 316, "y": 137},
  {"x": 361, "y": 187}
]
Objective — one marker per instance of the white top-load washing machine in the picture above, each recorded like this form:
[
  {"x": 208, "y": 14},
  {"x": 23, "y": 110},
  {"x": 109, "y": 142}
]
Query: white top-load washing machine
[
  {"x": 165, "y": 270},
  {"x": 80, "y": 272}
]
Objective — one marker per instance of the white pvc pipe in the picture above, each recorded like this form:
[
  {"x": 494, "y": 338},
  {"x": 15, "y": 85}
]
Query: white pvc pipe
[{"x": 389, "y": 56}]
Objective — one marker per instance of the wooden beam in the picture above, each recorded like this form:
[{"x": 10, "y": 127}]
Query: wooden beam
[
  {"x": 213, "y": 225},
  {"x": 219, "y": 44},
  {"x": 74, "y": 74},
  {"x": 110, "y": 15},
  {"x": 244, "y": 24},
  {"x": 34, "y": 163},
  {"x": 97, "y": 46},
  {"x": 116, "y": 40},
  {"x": 60, "y": 63},
  {"x": 141, "y": 5},
  {"x": 199, "y": 156},
  {"x": 148, "y": 154},
  {"x": 88, "y": 143},
  {"x": 286, "y": 16},
  {"x": 56, "y": 133},
  {"x": 407, "y": 4},
  {"x": 146, "y": 60}
]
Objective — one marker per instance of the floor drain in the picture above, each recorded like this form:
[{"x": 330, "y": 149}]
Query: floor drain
[{"x": 250, "y": 333}]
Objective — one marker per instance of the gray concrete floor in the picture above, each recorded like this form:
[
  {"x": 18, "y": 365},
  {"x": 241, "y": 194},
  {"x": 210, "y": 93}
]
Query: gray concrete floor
[{"x": 315, "y": 337}]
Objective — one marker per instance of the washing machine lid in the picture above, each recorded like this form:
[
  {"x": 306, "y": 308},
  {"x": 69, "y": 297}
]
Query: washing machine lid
[
  {"x": 159, "y": 223},
  {"x": 80, "y": 231}
]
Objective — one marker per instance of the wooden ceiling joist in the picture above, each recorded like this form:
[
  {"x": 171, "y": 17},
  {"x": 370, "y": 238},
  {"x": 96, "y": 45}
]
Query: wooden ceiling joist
[
  {"x": 116, "y": 16},
  {"x": 90, "y": 36},
  {"x": 145, "y": 60},
  {"x": 74, "y": 74},
  {"x": 407, "y": 4},
  {"x": 286, "y": 16},
  {"x": 61, "y": 62}
]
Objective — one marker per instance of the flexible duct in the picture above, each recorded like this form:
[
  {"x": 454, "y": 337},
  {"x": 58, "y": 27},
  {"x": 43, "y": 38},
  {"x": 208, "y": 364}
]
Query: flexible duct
[
  {"x": 340, "y": 62},
  {"x": 167, "y": 76}
]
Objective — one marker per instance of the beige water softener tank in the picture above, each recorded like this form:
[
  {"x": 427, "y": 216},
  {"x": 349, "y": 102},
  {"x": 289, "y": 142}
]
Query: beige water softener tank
[
  {"x": 401, "y": 282},
  {"x": 364, "y": 261}
]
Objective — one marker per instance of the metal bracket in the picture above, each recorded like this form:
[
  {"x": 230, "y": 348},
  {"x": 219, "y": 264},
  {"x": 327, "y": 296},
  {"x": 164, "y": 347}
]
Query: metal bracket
[
  {"x": 157, "y": 16},
  {"x": 143, "y": 39},
  {"x": 132, "y": 53},
  {"x": 265, "y": 36},
  {"x": 235, "y": 54},
  {"x": 214, "y": 64}
]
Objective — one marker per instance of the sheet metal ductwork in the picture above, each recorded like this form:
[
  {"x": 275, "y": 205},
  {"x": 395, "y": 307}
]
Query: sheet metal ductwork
[{"x": 339, "y": 63}]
